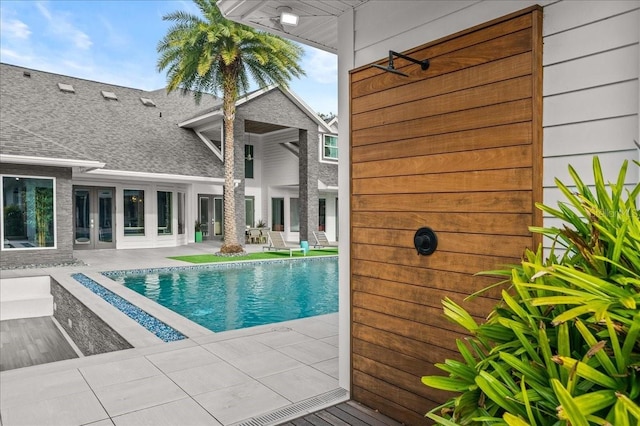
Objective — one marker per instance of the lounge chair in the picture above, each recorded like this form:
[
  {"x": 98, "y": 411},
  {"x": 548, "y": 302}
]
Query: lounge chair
[
  {"x": 322, "y": 241},
  {"x": 276, "y": 242}
]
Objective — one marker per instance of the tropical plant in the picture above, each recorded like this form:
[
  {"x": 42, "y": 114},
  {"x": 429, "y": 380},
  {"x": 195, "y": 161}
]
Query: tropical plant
[
  {"x": 13, "y": 221},
  {"x": 211, "y": 54},
  {"x": 44, "y": 215},
  {"x": 563, "y": 345}
]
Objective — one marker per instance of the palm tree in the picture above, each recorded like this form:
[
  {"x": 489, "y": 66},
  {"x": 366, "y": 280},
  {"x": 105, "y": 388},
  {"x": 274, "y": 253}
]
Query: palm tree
[{"x": 211, "y": 54}]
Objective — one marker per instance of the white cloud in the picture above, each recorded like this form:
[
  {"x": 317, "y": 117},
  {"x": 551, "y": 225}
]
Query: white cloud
[
  {"x": 59, "y": 25},
  {"x": 15, "y": 29},
  {"x": 321, "y": 66},
  {"x": 12, "y": 56},
  {"x": 114, "y": 37}
]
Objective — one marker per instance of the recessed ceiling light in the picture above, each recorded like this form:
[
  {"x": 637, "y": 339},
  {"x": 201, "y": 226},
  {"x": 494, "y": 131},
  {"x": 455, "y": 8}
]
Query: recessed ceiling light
[{"x": 287, "y": 17}]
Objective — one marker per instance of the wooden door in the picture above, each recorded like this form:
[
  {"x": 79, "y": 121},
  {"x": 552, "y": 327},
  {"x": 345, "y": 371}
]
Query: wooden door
[{"x": 456, "y": 148}]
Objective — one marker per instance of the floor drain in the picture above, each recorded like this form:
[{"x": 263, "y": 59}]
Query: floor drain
[{"x": 298, "y": 409}]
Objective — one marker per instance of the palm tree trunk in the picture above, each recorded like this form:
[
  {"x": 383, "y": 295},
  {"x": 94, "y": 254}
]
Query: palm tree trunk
[{"x": 229, "y": 111}]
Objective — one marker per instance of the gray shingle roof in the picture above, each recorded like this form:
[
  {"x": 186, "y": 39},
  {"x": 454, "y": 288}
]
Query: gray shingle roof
[{"x": 38, "y": 119}]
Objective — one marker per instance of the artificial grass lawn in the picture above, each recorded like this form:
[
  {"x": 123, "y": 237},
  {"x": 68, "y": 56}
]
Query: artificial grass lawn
[{"x": 212, "y": 258}]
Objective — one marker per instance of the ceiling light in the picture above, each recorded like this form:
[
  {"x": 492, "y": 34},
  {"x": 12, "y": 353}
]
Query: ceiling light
[{"x": 287, "y": 17}]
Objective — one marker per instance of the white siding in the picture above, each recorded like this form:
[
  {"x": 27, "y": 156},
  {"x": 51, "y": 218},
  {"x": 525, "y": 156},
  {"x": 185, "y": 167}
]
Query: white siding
[
  {"x": 591, "y": 93},
  {"x": 279, "y": 165}
]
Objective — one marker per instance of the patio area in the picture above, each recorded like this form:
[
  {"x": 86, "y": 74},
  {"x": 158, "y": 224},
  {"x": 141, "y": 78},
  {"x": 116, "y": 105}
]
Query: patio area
[{"x": 260, "y": 375}]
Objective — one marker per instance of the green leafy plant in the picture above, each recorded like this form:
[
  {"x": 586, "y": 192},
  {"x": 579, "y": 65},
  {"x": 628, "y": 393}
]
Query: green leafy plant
[{"x": 563, "y": 345}]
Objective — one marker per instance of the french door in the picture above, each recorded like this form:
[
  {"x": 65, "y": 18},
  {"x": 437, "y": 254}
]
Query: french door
[
  {"x": 210, "y": 215},
  {"x": 93, "y": 218}
]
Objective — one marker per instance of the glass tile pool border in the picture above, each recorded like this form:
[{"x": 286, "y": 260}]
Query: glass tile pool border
[
  {"x": 221, "y": 265},
  {"x": 151, "y": 323}
]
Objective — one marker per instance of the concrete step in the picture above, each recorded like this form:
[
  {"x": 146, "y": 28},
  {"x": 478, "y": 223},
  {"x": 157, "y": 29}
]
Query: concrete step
[
  {"x": 26, "y": 308},
  {"x": 25, "y": 297}
]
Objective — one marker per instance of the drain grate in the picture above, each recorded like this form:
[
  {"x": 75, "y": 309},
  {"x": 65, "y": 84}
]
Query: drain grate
[{"x": 298, "y": 409}]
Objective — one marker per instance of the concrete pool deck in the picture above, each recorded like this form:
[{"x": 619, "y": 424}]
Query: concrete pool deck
[{"x": 259, "y": 375}]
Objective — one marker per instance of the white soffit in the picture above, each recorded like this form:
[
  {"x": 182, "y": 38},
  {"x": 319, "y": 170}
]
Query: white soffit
[{"x": 317, "y": 26}]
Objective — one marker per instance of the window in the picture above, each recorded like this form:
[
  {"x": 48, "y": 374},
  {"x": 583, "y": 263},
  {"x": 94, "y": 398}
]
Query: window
[
  {"x": 28, "y": 219},
  {"x": 165, "y": 216},
  {"x": 181, "y": 197},
  {"x": 329, "y": 147},
  {"x": 248, "y": 161},
  {"x": 294, "y": 215},
  {"x": 277, "y": 214},
  {"x": 133, "y": 212},
  {"x": 322, "y": 213},
  {"x": 249, "y": 211}
]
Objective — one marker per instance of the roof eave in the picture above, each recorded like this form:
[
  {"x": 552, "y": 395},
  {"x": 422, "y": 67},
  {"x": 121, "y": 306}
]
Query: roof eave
[
  {"x": 155, "y": 177},
  {"x": 51, "y": 162}
]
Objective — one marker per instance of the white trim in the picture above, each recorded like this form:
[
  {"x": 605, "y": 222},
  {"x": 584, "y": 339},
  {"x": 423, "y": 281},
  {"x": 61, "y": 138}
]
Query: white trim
[
  {"x": 55, "y": 212},
  {"x": 195, "y": 120},
  {"x": 303, "y": 105},
  {"x": 48, "y": 161},
  {"x": 322, "y": 157},
  {"x": 211, "y": 146},
  {"x": 125, "y": 174}
]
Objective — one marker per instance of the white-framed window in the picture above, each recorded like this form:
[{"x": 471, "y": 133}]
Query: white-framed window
[
  {"x": 294, "y": 215},
  {"x": 181, "y": 212},
  {"x": 28, "y": 212},
  {"x": 165, "y": 213},
  {"x": 330, "y": 147},
  {"x": 133, "y": 212}
]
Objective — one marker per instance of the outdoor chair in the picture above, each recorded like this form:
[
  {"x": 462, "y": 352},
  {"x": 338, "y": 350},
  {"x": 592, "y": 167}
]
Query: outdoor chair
[
  {"x": 322, "y": 241},
  {"x": 277, "y": 243},
  {"x": 254, "y": 236}
]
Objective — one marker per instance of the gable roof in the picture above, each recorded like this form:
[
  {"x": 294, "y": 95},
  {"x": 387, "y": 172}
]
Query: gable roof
[
  {"x": 38, "y": 119},
  {"x": 216, "y": 108}
]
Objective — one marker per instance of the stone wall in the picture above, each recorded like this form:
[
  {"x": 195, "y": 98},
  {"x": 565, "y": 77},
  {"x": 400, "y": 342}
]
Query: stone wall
[
  {"x": 89, "y": 332},
  {"x": 63, "y": 253}
]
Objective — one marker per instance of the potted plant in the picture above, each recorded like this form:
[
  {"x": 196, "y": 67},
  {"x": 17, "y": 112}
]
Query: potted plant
[
  {"x": 198, "y": 231},
  {"x": 261, "y": 224}
]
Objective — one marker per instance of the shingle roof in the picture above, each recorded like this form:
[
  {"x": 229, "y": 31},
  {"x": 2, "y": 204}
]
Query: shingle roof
[{"x": 38, "y": 119}]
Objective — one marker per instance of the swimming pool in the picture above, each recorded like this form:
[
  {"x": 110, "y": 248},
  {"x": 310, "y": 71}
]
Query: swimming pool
[{"x": 239, "y": 295}]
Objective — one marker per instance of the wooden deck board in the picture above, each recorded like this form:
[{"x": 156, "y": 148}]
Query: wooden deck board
[
  {"x": 344, "y": 414},
  {"x": 32, "y": 341}
]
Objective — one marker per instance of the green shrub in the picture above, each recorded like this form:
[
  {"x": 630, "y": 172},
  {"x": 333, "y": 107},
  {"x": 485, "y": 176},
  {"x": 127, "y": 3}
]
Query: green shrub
[{"x": 562, "y": 347}]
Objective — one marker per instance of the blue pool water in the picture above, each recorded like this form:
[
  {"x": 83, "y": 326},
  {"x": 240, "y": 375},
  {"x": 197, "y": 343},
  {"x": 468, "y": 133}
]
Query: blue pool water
[{"x": 244, "y": 295}]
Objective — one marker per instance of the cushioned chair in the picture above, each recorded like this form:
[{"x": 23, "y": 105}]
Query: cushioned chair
[{"x": 254, "y": 236}]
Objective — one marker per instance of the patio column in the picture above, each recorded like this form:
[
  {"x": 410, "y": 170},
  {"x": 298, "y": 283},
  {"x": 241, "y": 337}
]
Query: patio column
[{"x": 308, "y": 188}]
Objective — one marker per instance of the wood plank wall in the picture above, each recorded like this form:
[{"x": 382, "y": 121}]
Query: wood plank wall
[{"x": 456, "y": 148}]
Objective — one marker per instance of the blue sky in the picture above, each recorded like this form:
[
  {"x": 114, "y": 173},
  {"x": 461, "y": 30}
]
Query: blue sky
[{"x": 115, "y": 42}]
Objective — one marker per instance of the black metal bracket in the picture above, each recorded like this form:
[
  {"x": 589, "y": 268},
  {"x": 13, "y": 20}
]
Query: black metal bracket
[
  {"x": 424, "y": 64},
  {"x": 425, "y": 241}
]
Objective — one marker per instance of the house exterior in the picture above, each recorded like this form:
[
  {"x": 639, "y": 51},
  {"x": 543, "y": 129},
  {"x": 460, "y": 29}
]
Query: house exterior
[
  {"x": 89, "y": 165},
  {"x": 515, "y": 92}
]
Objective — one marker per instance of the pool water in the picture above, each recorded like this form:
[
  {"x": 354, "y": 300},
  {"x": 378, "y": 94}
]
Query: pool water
[{"x": 246, "y": 295}]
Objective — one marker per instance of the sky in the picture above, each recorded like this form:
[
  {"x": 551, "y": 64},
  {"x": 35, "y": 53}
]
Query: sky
[{"x": 115, "y": 42}]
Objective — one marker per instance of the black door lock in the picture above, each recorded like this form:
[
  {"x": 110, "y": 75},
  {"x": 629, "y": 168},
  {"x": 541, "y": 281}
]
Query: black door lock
[{"x": 425, "y": 241}]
